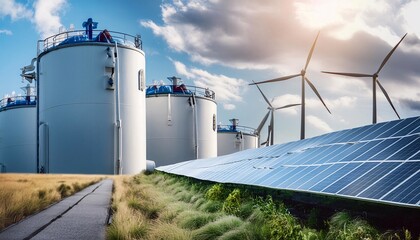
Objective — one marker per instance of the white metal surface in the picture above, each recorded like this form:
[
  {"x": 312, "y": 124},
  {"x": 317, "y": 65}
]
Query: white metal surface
[
  {"x": 18, "y": 140},
  {"x": 231, "y": 142},
  {"x": 77, "y": 110},
  {"x": 171, "y": 135}
]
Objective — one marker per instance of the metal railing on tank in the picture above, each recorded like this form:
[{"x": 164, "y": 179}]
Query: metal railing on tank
[
  {"x": 238, "y": 128},
  {"x": 180, "y": 89},
  {"x": 17, "y": 101},
  {"x": 79, "y": 36}
]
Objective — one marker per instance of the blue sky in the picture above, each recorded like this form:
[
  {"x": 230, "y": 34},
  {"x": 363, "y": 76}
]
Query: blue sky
[{"x": 226, "y": 44}]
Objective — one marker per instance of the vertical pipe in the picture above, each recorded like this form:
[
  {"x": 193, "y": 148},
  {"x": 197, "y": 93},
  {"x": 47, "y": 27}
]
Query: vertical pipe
[
  {"x": 118, "y": 123},
  {"x": 46, "y": 147},
  {"x": 169, "y": 110},
  {"x": 37, "y": 110},
  {"x": 195, "y": 126}
]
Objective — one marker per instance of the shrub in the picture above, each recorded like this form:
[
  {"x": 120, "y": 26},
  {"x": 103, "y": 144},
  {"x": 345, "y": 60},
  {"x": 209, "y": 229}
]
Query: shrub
[
  {"x": 341, "y": 226},
  {"x": 216, "y": 193},
  {"x": 280, "y": 224},
  {"x": 64, "y": 190},
  {"x": 233, "y": 202},
  {"x": 77, "y": 187},
  {"x": 403, "y": 234},
  {"x": 313, "y": 220}
]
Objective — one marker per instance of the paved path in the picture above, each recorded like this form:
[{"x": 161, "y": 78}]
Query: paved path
[{"x": 81, "y": 216}]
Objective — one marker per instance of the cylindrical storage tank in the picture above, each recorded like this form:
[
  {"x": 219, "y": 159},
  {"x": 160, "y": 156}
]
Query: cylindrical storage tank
[
  {"x": 18, "y": 135},
  {"x": 234, "y": 138},
  {"x": 92, "y": 106},
  {"x": 181, "y": 124}
]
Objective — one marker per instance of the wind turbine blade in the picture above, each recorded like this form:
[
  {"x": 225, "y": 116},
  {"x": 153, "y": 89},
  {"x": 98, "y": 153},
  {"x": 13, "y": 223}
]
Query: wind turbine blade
[
  {"x": 276, "y": 79},
  {"x": 287, "y": 106},
  {"x": 310, "y": 52},
  {"x": 265, "y": 98},
  {"x": 349, "y": 74},
  {"x": 317, "y": 93},
  {"x": 389, "y": 55},
  {"x": 258, "y": 130},
  {"x": 388, "y": 98}
]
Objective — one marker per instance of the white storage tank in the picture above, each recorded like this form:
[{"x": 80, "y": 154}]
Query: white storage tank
[
  {"x": 181, "y": 123},
  {"x": 92, "y": 103},
  {"x": 234, "y": 138},
  {"x": 18, "y": 132}
]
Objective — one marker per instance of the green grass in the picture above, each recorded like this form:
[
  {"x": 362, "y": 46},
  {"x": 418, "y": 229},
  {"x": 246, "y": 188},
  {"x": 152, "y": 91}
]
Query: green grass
[{"x": 162, "y": 206}]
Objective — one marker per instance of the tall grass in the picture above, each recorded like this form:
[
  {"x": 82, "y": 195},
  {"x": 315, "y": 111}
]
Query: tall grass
[
  {"x": 24, "y": 194},
  {"x": 161, "y": 206}
]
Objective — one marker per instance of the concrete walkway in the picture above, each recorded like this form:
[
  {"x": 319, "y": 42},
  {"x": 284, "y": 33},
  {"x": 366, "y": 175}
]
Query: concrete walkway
[{"x": 81, "y": 216}]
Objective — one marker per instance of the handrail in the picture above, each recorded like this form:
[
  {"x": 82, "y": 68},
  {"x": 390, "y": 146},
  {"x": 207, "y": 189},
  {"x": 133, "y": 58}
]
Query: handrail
[
  {"x": 180, "y": 89},
  {"x": 10, "y": 102},
  {"x": 119, "y": 37},
  {"x": 237, "y": 128}
]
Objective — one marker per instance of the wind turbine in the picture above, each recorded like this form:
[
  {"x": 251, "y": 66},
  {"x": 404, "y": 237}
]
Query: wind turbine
[
  {"x": 271, "y": 109},
  {"x": 304, "y": 78},
  {"x": 374, "y": 81}
]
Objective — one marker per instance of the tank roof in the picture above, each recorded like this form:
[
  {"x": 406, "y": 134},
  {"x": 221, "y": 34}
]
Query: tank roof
[
  {"x": 182, "y": 89},
  {"x": 89, "y": 35},
  {"x": 17, "y": 102},
  {"x": 235, "y": 129}
]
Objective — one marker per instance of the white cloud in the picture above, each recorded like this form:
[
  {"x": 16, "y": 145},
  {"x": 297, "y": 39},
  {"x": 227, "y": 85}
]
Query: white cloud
[
  {"x": 345, "y": 18},
  {"x": 227, "y": 89},
  {"x": 355, "y": 37},
  {"x": 229, "y": 106},
  {"x": 318, "y": 123},
  {"x": 182, "y": 69},
  {"x": 47, "y": 16},
  {"x": 6, "y": 32},
  {"x": 286, "y": 100},
  {"x": 342, "y": 102},
  {"x": 14, "y": 10}
]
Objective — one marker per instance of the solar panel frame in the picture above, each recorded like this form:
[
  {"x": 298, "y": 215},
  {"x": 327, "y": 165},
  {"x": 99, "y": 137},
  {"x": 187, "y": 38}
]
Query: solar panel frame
[
  {"x": 409, "y": 128},
  {"x": 388, "y": 182},
  {"x": 410, "y": 192},
  {"x": 377, "y": 163},
  {"x": 367, "y": 179}
]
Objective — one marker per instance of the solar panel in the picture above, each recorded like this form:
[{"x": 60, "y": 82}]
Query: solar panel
[{"x": 379, "y": 162}]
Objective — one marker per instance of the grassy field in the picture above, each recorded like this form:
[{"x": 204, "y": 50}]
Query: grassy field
[
  {"x": 24, "y": 194},
  {"x": 161, "y": 206}
]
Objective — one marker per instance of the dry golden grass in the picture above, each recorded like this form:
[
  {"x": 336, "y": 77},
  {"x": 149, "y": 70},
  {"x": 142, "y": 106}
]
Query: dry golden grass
[{"x": 24, "y": 194}]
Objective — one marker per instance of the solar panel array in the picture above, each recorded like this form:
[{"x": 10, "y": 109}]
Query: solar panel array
[{"x": 379, "y": 162}]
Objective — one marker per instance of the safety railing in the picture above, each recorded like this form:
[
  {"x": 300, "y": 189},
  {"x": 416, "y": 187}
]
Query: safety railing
[
  {"x": 78, "y": 36},
  {"x": 238, "y": 128},
  {"x": 17, "y": 101},
  {"x": 180, "y": 89}
]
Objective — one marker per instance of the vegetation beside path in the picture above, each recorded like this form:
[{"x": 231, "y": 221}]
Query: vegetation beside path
[
  {"x": 22, "y": 195},
  {"x": 162, "y": 206}
]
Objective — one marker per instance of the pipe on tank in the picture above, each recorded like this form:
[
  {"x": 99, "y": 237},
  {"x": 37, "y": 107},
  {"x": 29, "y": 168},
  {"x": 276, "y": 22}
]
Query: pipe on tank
[
  {"x": 195, "y": 126},
  {"x": 150, "y": 166},
  {"x": 46, "y": 149},
  {"x": 118, "y": 122}
]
